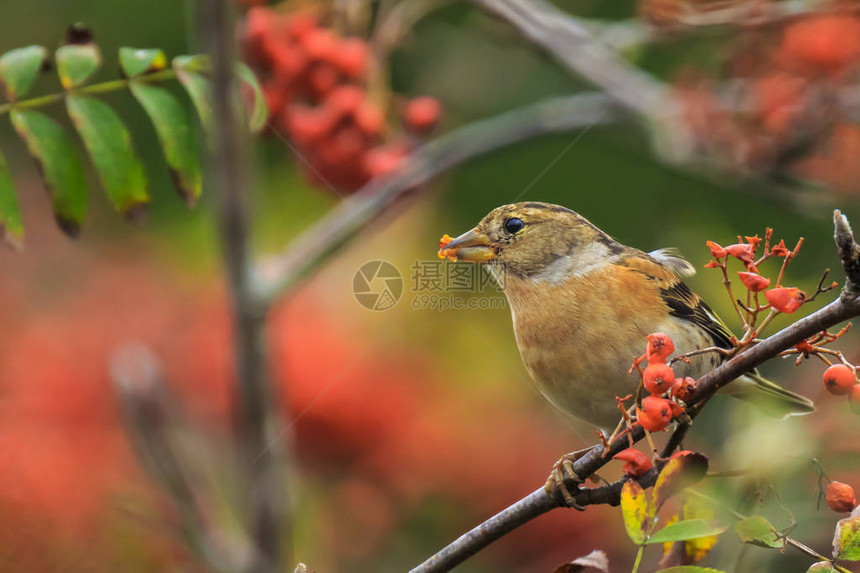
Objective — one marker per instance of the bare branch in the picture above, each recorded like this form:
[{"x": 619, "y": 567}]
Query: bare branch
[
  {"x": 266, "y": 490},
  {"x": 325, "y": 238},
  {"x": 540, "y": 501},
  {"x": 571, "y": 43}
]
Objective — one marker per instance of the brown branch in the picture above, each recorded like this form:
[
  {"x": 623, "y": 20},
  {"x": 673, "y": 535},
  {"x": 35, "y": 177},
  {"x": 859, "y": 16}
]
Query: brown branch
[
  {"x": 255, "y": 423},
  {"x": 539, "y": 502},
  {"x": 327, "y": 236}
]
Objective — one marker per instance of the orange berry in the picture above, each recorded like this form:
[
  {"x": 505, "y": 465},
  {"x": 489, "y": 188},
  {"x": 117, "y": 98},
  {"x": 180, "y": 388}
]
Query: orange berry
[
  {"x": 370, "y": 119},
  {"x": 785, "y": 299},
  {"x": 839, "y": 380},
  {"x": 754, "y": 281},
  {"x": 684, "y": 388},
  {"x": 637, "y": 462},
  {"x": 741, "y": 251},
  {"x": 658, "y": 378},
  {"x": 826, "y": 43},
  {"x": 655, "y": 415},
  {"x": 422, "y": 114},
  {"x": 660, "y": 347},
  {"x": 840, "y": 497},
  {"x": 716, "y": 251}
]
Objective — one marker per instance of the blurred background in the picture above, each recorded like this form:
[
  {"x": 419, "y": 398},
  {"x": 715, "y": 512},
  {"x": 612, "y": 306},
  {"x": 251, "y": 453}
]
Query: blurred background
[{"x": 408, "y": 425}]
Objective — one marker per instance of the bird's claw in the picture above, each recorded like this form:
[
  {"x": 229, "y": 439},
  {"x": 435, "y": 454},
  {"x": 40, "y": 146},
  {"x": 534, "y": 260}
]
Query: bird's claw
[{"x": 562, "y": 473}]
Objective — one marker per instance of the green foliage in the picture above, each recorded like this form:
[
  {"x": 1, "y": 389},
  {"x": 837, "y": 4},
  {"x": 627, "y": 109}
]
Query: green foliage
[
  {"x": 636, "y": 511},
  {"x": 687, "y": 529},
  {"x": 756, "y": 530},
  {"x": 101, "y": 130},
  {"x": 846, "y": 540}
]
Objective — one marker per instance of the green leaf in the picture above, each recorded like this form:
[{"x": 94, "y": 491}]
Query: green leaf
[
  {"x": 681, "y": 471},
  {"x": 11, "y": 225},
  {"x": 260, "y": 112},
  {"x": 199, "y": 88},
  {"x": 59, "y": 163},
  {"x": 176, "y": 134},
  {"x": 76, "y": 63},
  {"x": 689, "y": 569},
  {"x": 109, "y": 145},
  {"x": 687, "y": 529},
  {"x": 821, "y": 567},
  {"x": 846, "y": 540},
  {"x": 194, "y": 72},
  {"x": 19, "y": 69},
  {"x": 757, "y": 530},
  {"x": 636, "y": 511},
  {"x": 135, "y": 62}
]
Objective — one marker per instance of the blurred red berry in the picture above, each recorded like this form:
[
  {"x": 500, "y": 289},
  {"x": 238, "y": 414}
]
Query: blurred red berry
[
  {"x": 785, "y": 299},
  {"x": 422, "y": 114},
  {"x": 351, "y": 57},
  {"x": 344, "y": 100},
  {"x": 684, "y": 388},
  {"x": 307, "y": 125},
  {"x": 660, "y": 347},
  {"x": 637, "y": 462},
  {"x": 299, "y": 24},
  {"x": 754, "y": 281},
  {"x": 655, "y": 415},
  {"x": 827, "y": 44},
  {"x": 383, "y": 160},
  {"x": 320, "y": 44},
  {"x": 658, "y": 378},
  {"x": 840, "y": 497},
  {"x": 839, "y": 379},
  {"x": 780, "y": 100},
  {"x": 370, "y": 119},
  {"x": 322, "y": 78}
]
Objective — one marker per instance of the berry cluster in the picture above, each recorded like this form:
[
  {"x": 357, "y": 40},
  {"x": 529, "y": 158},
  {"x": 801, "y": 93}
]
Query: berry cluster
[
  {"x": 316, "y": 87},
  {"x": 779, "y": 299},
  {"x": 667, "y": 393},
  {"x": 782, "y": 110}
]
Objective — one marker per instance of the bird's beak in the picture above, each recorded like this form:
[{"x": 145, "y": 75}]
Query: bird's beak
[{"x": 473, "y": 246}]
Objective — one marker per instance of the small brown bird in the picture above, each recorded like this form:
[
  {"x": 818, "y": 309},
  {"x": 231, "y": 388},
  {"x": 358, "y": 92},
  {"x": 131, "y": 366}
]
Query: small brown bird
[{"x": 583, "y": 303}]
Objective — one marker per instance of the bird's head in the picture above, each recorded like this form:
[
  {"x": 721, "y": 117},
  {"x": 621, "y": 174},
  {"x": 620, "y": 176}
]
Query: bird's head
[{"x": 539, "y": 241}]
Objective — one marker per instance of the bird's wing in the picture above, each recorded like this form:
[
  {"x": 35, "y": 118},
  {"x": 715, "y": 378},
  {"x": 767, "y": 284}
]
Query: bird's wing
[{"x": 682, "y": 302}]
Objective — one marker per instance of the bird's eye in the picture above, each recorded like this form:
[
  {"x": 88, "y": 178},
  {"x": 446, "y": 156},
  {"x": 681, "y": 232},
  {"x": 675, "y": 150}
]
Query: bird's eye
[{"x": 514, "y": 225}]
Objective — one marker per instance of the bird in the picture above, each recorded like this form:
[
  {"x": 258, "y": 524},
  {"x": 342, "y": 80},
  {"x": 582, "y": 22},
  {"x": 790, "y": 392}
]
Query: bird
[{"x": 582, "y": 305}]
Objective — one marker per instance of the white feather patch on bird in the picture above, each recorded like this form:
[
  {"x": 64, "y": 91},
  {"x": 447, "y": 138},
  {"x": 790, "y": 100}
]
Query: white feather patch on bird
[
  {"x": 671, "y": 257},
  {"x": 577, "y": 264}
]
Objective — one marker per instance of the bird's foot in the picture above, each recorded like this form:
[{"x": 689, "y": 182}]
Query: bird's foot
[{"x": 563, "y": 472}]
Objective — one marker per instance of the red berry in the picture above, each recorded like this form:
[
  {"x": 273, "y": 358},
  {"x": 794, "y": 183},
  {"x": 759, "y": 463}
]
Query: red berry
[
  {"x": 344, "y": 100},
  {"x": 308, "y": 125},
  {"x": 840, "y": 497},
  {"x": 839, "y": 380},
  {"x": 322, "y": 78},
  {"x": 299, "y": 24},
  {"x": 320, "y": 44},
  {"x": 826, "y": 43},
  {"x": 741, "y": 251},
  {"x": 422, "y": 114},
  {"x": 288, "y": 62},
  {"x": 658, "y": 378},
  {"x": 660, "y": 347},
  {"x": 754, "y": 281},
  {"x": 785, "y": 299},
  {"x": 637, "y": 462},
  {"x": 684, "y": 388},
  {"x": 381, "y": 161},
  {"x": 655, "y": 415},
  {"x": 344, "y": 146},
  {"x": 716, "y": 251},
  {"x": 351, "y": 57},
  {"x": 370, "y": 119}
]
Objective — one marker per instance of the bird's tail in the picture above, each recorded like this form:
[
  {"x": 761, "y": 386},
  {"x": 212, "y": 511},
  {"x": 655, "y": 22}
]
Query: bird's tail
[{"x": 771, "y": 399}]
